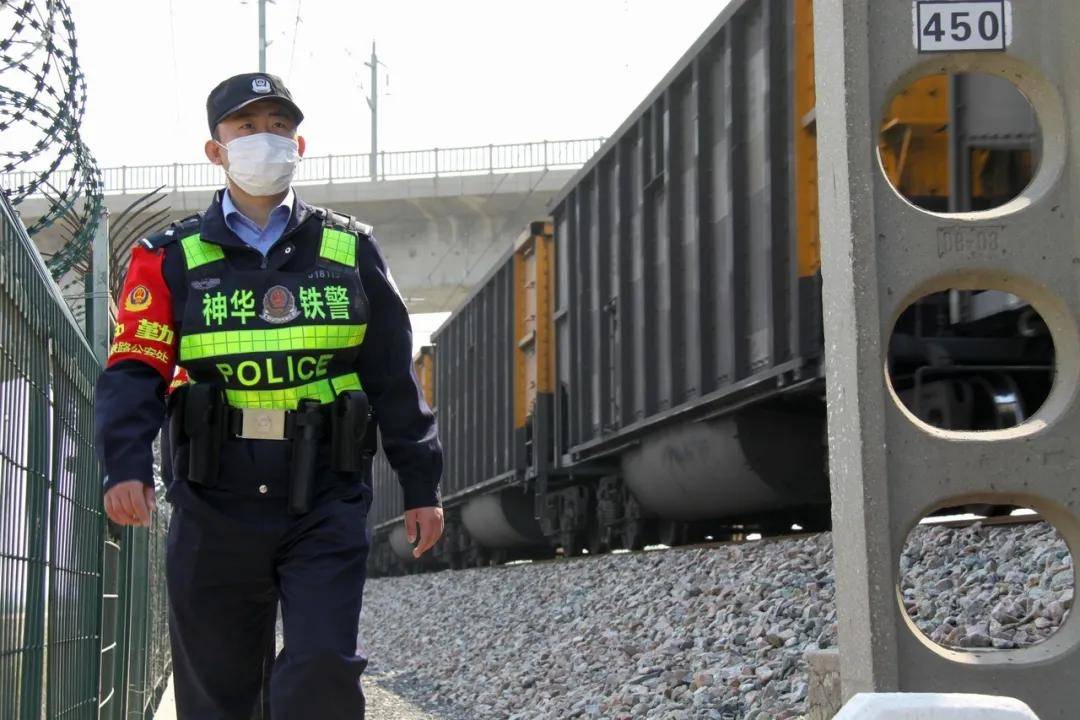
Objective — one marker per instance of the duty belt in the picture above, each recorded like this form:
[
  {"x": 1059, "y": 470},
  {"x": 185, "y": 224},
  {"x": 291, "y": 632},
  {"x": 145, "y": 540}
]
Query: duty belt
[{"x": 201, "y": 414}]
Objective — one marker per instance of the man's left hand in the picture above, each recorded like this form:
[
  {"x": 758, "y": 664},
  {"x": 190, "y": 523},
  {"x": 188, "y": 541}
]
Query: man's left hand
[{"x": 430, "y": 520}]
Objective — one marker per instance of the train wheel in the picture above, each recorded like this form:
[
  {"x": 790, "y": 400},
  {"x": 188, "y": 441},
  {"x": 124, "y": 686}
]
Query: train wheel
[
  {"x": 672, "y": 533},
  {"x": 595, "y": 540},
  {"x": 476, "y": 556},
  {"x": 633, "y": 534},
  {"x": 633, "y": 527},
  {"x": 573, "y": 544}
]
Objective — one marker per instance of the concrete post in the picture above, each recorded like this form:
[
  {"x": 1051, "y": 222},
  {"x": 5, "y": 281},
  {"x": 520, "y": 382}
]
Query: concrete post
[
  {"x": 373, "y": 103},
  {"x": 97, "y": 291},
  {"x": 879, "y": 254}
]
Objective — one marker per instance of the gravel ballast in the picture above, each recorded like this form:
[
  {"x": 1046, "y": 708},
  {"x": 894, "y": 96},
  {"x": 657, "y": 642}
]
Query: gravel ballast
[
  {"x": 716, "y": 632},
  {"x": 987, "y": 587}
]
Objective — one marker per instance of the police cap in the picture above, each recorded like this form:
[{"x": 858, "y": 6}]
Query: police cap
[{"x": 234, "y": 93}]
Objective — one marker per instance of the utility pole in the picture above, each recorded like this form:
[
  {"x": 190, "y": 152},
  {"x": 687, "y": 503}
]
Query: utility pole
[
  {"x": 373, "y": 103},
  {"x": 262, "y": 36}
]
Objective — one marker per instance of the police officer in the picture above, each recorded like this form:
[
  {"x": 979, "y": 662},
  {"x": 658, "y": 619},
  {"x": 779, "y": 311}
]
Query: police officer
[{"x": 294, "y": 336}]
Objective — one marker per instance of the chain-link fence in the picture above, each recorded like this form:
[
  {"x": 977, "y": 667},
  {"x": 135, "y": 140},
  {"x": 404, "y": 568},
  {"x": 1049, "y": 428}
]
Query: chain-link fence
[{"x": 82, "y": 614}]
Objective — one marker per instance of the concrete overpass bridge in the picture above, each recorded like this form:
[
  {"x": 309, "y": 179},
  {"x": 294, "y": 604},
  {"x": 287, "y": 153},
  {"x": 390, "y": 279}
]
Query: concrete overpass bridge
[{"x": 442, "y": 216}]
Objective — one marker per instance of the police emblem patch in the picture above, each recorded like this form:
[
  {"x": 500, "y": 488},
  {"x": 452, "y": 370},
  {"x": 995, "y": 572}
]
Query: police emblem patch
[
  {"x": 138, "y": 299},
  {"x": 279, "y": 305},
  {"x": 260, "y": 85}
]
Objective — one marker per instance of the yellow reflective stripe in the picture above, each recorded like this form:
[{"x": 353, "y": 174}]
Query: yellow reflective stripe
[
  {"x": 287, "y": 399},
  {"x": 342, "y": 383},
  {"x": 197, "y": 252},
  {"x": 302, "y": 337},
  {"x": 338, "y": 246}
]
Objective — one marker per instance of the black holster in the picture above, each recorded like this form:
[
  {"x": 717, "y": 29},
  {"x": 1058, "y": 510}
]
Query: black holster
[
  {"x": 172, "y": 435},
  {"x": 175, "y": 407},
  {"x": 307, "y": 429},
  {"x": 206, "y": 423},
  {"x": 349, "y": 429}
]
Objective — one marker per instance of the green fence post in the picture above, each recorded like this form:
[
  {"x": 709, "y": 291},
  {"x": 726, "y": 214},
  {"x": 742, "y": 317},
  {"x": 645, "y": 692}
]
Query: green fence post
[
  {"x": 37, "y": 493},
  {"x": 110, "y": 618},
  {"x": 137, "y": 635},
  {"x": 123, "y": 628}
]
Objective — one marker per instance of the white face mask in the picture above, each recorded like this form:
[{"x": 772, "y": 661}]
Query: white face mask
[{"x": 262, "y": 164}]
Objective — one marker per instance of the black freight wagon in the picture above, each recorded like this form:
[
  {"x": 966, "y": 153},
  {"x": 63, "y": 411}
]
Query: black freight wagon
[
  {"x": 490, "y": 369},
  {"x": 653, "y": 370}
]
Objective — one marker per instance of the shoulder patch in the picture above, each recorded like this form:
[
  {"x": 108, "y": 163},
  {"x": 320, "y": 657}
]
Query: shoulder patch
[
  {"x": 362, "y": 228},
  {"x": 340, "y": 221},
  {"x": 176, "y": 231}
]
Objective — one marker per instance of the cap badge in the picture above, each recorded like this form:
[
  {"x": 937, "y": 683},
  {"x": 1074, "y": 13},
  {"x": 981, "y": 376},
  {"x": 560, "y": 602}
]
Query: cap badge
[{"x": 260, "y": 85}]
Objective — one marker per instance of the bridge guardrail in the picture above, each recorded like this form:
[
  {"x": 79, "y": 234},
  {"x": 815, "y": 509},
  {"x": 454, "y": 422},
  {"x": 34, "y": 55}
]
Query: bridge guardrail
[{"x": 433, "y": 162}]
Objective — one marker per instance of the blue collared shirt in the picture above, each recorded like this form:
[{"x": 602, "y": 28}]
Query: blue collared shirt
[{"x": 262, "y": 239}]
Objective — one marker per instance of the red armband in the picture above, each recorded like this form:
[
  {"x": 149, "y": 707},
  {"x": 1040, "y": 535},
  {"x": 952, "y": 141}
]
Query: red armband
[
  {"x": 144, "y": 326},
  {"x": 179, "y": 380}
]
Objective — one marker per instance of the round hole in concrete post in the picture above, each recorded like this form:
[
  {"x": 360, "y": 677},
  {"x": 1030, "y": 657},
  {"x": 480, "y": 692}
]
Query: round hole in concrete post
[
  {"x": 987, "y": 582},
  {"x": 971, "y": 359}
]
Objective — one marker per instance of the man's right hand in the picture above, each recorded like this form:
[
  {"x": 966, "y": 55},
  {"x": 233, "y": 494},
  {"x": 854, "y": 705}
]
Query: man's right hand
[{"x": 130, "y": 503}]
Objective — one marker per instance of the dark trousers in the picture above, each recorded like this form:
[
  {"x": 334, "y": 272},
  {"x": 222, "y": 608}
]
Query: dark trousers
[{"x": 229, "y": 562}]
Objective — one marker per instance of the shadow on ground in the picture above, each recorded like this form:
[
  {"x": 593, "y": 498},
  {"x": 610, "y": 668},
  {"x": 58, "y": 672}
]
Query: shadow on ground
[{"x": 395, "y": 695}]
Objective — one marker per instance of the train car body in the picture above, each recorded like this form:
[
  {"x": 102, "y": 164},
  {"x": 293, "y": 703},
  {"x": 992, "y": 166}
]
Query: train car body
[
  {"x": 488, "y": 375},
  {"x": 684, "y": 289},
  {"x": 648, "y": 365}
]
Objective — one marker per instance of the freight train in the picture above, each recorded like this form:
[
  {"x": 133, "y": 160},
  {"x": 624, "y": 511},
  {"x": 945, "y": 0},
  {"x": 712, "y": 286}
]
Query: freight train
[{"x": 647, "y": 364}]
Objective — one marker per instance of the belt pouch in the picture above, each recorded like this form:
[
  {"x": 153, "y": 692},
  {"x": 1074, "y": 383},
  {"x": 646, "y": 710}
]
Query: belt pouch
[
  {"x": 177, "y": 405},
  {"x": 206, "y": 424},
  {"x": 305, "y": 449},
  {"x": 350, "y": 423}
]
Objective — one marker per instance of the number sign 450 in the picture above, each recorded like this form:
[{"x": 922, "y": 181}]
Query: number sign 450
[{"x": 980, "y": 25}]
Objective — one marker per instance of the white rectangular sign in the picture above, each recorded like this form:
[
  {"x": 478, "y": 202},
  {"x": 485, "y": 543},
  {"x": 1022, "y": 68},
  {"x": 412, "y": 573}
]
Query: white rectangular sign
[{"x": 979, "y": 25}]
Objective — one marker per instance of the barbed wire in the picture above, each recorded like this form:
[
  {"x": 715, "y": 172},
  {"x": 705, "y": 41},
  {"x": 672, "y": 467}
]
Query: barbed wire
[{"x": 42, "y": 102}]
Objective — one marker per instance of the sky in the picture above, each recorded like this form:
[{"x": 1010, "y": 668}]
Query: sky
[
  {"x": 467, "y": 72},
  {"x": 452, "y": 74}
]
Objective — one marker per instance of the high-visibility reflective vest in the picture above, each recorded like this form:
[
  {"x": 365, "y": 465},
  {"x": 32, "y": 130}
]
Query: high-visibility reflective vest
[{"x": 271, "y": 338}]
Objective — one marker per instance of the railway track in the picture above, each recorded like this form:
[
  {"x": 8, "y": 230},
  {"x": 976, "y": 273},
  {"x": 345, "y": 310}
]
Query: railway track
[{"x": 749, "y": 538}]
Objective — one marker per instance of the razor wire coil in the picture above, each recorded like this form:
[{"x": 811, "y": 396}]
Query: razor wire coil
[{"x": 42, "y": 103}]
